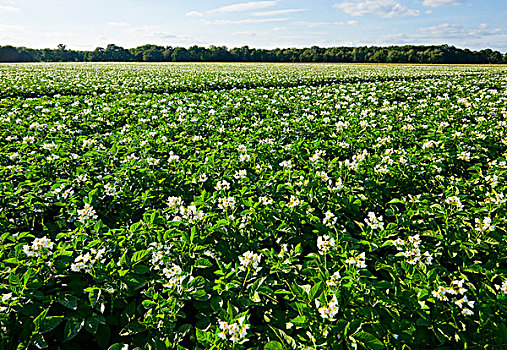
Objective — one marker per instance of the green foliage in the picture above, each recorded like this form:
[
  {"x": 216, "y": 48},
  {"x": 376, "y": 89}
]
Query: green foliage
[
  {"x": 263, "y": 206},
  {"x": 154, "y": 53}
]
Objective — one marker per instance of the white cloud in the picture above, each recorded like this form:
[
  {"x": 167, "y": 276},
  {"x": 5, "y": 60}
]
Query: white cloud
[
  {"x": 153, "y": 31},
  {"x": 6, "y": 27},
  {"x": 164, "y": 35},
  {"x": 245, "y": 33},
  {"x": 193, "y": 14},
  {"x": 314, "y": 24},
  {"x": 277, "y": 12},
  {"x": 383, "y": 8},
  {"x": 324, "y": 24},
  {"x": 437, "y": 3},
  {"x": 246, "y": 6},
  {"x": 117, "y": 24},
  {"x": 155, "y": 34},
  {"x": 295, "y": 37},
  {"x": 477, "y": 37},
  {"x": 245, "y": 21},
  {"x": 4, "y": 8},
  {"x": 446, "y": 30}
]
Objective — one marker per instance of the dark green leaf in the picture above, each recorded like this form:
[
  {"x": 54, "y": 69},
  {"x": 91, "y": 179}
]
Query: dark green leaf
[
  {"x": 72, "y": 328},
  {"x": 69, "y": 301},
  {"x": 368, "y": 340},
  {"x": 273, "y": 345},
  {"x": 50, "y": 323}
]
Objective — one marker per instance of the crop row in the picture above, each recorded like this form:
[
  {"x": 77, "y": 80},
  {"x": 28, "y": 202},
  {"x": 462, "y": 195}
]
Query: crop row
[{"x": 35, "y": 80}]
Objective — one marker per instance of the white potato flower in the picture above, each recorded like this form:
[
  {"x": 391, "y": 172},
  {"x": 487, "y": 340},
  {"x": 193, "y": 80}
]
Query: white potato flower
[
  {"x": 325, "y": 244},
  {"x": 250, "y": 260},
  {"x": 374, "y": 222}
]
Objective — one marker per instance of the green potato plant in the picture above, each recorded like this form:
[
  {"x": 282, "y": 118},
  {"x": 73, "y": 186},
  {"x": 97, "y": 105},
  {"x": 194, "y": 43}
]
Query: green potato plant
[{"x": 262, "y": 206}]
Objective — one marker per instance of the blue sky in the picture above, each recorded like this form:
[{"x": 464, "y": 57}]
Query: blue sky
[{"x": 474, "y": 24}]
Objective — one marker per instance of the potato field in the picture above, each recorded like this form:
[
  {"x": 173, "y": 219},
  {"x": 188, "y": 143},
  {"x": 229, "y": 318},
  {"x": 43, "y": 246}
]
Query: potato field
[{"x": 253, "y": 206}]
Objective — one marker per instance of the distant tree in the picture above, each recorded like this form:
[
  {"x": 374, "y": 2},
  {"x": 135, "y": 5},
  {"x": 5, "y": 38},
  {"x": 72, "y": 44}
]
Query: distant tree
[
  {"x": 180, "y": 54},
  {"x": 219, "y": 54},
  {"x": 241, "y": 54},
  {"x": 97, "y": 55},
  {"x": 379, "y": 56},
  {"x": 9, "y": 54},
  {"x": 116, "y": 53},
  {"x": 492, "y": 56},
  {"x": 155, "y": 53},
  {"x": 60, "y": 53},
  {"x": 168, "y": 52},
  {"x": 197, "y": 53}
]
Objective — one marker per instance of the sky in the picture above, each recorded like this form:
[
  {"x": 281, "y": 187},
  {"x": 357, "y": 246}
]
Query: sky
[{"x": 85, "y": 25}]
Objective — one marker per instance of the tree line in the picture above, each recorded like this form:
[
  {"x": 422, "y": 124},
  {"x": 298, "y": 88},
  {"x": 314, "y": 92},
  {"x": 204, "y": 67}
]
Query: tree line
[{"x": 156, "y": 53}]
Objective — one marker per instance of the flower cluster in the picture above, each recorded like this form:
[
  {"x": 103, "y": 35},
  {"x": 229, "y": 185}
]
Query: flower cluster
[
  {"x": 226, "y": 203},
  {"x": 456, "y": 289},
  {"x": 495, "y": 198},
  {"x": 357, "y": 159},
  {"x": 190, "y": 214},
  {"x": 235, "y": 332},
  {"x": 110, "y": 190},
  {"x": 338, "y": 185},
  {"x": 503, "y": 287},
  {"x": 152, "y": 161},
  {"x": 173, "y": 158},
  {"x": 222, "y": 185},
  {"x": 294, "y": 202},
  {"x": 61, "y": 193},
  {"x": 85, "y": 262},
  {"x": 283, "y": 251},
  {"x": 201, "y": 179},
  {"x": 286, "y": 164},
  {"x": 250, "y": 261},
  {"x": 86, "y": 213},
  {"x": 6, "y": 299},
  {"x": 325, "y": 244},
  {"x": 492, "y": 180},
  {"x": 464, "y": 155},
  {"x": 38, "y": 247},
  {"x": 322, "y": 175},
  {"x": 317, "y": 156},
  {"x": 454, "y": 202},
  {"x": 334, "y": 279},
  {"x": 329, "y": 310},
  {"x": 174, "y": 202},
  {"x": 159, "y": 253},
  {"x": 265, "y": 200},
  {"x": 245, "y": 157},
  {"x": 240, "y": 174},
  {"x": 28, "y": 139},
  {"x": 411, "y": 250},
  {"x": 329, "y": 219},
  {"x": 374, "y": 222},
  {"x": 359, "y": 261},
  {"x": 484, "y": 225},
  {"x": 81, "y": 178},
  {"x": 172, "y": 273}
]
